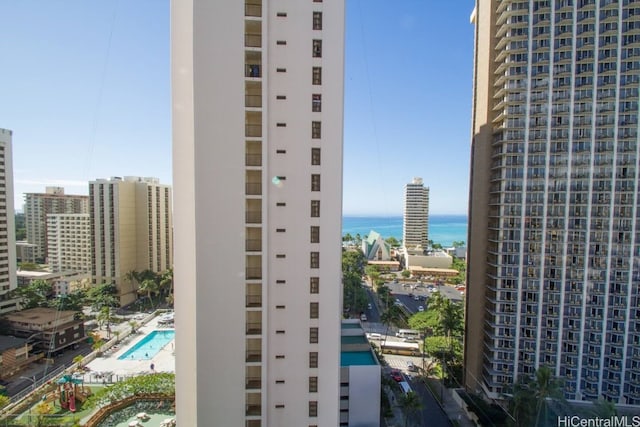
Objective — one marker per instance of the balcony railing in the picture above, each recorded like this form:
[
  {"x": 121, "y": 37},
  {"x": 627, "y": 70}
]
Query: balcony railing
[
  {"x": 253, "y": 160},
  {"x": 253, "y": 409},
  {"x": 253, "y": 130},
  {"x": 254, "y": 301},
  {"x": 252, "y": 383},
  {"x": 252, "y": 9},
  {"x": 253, "y": 356},
  {"x": 253, "y": 188},
  {"x": 253, "y": 217},
  {"x": 252, "y": 40},
  {"x": 253, "y": 245},
  {"x": 254, "y": 328},
  {"x": 254, "y": 273},
  {"x": 253, "y": 101}
]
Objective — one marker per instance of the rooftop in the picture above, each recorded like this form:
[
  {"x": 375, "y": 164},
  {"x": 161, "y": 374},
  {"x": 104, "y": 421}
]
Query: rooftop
[
  {"x": 8, "y": 341},
  {"x": 357, "y": 358},
  {"x": 38, "y": 315}
]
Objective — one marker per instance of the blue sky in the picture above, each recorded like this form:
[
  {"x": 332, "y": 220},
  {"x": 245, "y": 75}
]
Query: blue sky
[{"x": 84, "y": 85}]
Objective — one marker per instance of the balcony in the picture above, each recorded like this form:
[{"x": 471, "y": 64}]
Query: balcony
[
  {"x": 253, "y": 383},
  {"x": 253, "y": 409},
  {"x": 254, "y": 328},
  {"x": 253, "y": 8},
  {"x": 253, "y": 70},
  {"x": 253, "y": 217},
  {"x": 253, "y": 301},
  {"x": 253, "y": 356},
  {"x": 253, "y": 245},
  {"x": 253, "y": 188},
  {"x": 252, "y": 40},
  {"x": 253, "y": 101},
  {"x": 253, "y": 130},
  {"x": 254, "y": 273}
]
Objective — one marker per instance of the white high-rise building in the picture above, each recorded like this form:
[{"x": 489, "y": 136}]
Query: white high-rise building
[
  {"x": 415, "y": 230},
  {"x": 36, "y": 208},
  {"x": 258, "y": 121},
  {"x": 69, "y": 242},
  {"x": 131, "y": 230},
  {"x": 553, "y": 257},
  {"x": 7, "y": 225}
]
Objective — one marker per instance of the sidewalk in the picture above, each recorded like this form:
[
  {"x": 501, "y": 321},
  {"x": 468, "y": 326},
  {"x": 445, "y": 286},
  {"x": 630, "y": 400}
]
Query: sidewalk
[{"x": 455, "y": 413}]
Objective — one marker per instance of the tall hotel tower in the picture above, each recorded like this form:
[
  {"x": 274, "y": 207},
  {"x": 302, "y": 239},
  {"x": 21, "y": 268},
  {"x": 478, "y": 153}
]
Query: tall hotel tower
[
  {"x": 131, "y": 226},
  {"x": 415, "y": 230},
  {"x": 554, "y": 265},
  {"x": 257, "y": 120},
  {"x": 8, "y": 280}
]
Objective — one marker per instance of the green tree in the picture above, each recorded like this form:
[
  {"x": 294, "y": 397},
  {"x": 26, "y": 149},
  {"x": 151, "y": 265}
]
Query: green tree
[
  {"x": 392, "y": 241},
  {"x": 104, "y": 317},
  {"x": 458, "y": 243},
  {"x": 529, "y": 403},
  {"x": 103, "y": 295},
  {"x": 166, "y": 282},
  {"x": 4, "y": 401},
  {"x": 150, "y": 287},
  {"x": 35, "y": 294},
  {"x": 73, "y": 301},
  {"x": 392, "y": 316},
  {"x": 410, "y": 403},
  {"x": 347, "y": 238}
]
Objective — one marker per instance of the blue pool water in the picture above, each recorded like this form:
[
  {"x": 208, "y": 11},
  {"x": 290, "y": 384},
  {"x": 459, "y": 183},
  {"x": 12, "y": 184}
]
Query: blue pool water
[{"x": 148, "y": 346}]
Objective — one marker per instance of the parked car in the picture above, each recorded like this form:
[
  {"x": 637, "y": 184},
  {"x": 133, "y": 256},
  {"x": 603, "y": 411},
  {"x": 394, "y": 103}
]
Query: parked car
[
  {"x": 363, "y": 317},
  {"x": 369, "y": 307},
  {"x": 396, "y": 375},
  {"x": 411, "y": 367},
  {"x": 398, "y": 302},
  {"x": 420, "y": 308}
]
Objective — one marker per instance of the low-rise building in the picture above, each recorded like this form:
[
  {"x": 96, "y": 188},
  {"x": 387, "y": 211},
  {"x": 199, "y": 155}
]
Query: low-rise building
[
  {"x": 25, "y": 251},
  {"x": 426, "y": 259},
  {"x": 360, "y": 377},
  {"x": 48, "y": 329},
  {"x": 15, "y": 354}
]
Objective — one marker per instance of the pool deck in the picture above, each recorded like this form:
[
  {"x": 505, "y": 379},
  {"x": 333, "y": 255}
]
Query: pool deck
[{"x": 164, "y": 361}]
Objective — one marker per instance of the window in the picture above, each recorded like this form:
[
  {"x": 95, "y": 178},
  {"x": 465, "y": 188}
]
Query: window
[
  {"x": 315, "y": 260},
  {"x": 281, "y": 256},
  {"x": 316, "y": 130},
  {"x": 317, "y": 49},
  {"x": 281, "y": 42},
  {"x": 313, "y": 384},
  {"x": 315, "y": 156},
  {"x": 281, "y": 96},
  {"x": 313, "y": 359},
  {"x": 315, "y": 234},
  {"x": 281, "y": 125},
  {"x": 281, "y": 281},
  {"x": 280, "y": 331},
  {"x": 281, "y": 151},
  {"x": 313, "y": 408},
  {"x": 282, "y": 14},
  {"x": 316, "y": 74},
  {"x": 317, "y": 20},
  {"x": 280, "y": 230},
  {"x": 280, "y": 307},
  {"x": 279, "y": 406},
  {"x": 315, "y": 182},
  {"x": 315, "y": 208},
  {"x": 314, "y": 285},
  {"x": 282, "y": 70},
  {"x": 313, "y": 335},
  {"x": 314, "y": 310},
  {"x": 316, "y": 102},
  {"x": 279, "y": 356},
  {"x": 281, "y": 204}
]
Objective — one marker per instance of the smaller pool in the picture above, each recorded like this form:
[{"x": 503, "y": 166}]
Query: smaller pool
[{"x": 148, "y": 346}]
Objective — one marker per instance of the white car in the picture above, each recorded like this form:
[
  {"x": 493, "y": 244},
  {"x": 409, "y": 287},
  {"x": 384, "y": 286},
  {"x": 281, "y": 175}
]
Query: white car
[
  {"x": 420, "y": 308},
  {"x": 363, "y": 317}
]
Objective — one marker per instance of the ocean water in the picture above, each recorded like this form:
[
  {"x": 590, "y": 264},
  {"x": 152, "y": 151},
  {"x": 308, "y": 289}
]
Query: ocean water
[{"x": 443, "y": 229}]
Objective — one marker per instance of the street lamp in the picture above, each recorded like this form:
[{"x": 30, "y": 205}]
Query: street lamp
[{"x": 33, "y": 381}]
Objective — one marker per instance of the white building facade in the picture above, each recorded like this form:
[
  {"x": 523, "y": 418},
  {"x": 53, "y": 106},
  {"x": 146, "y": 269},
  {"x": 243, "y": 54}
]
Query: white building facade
[
  {"x": 415, "y": 230},
  {"x": 7, "y": 225},
  {"x": 258, "y": 120},
  {"x": 69, "y": 242},
  {"x": 131, "y": 225}
]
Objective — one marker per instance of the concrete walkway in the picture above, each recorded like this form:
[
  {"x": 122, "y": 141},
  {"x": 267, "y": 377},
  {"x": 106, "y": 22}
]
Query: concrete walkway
[{"x": 455, "y": 413}]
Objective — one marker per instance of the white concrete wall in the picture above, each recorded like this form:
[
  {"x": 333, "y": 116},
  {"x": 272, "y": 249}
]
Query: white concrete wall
[{"x": 364, "y": 396}]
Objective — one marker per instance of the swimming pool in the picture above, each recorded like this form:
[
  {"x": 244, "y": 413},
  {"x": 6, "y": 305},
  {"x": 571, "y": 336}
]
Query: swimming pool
[{"x": 148, "y": 346}]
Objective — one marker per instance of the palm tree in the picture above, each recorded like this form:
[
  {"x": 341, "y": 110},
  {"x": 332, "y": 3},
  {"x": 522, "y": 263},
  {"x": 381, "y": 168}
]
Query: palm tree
[
  {"x": 529, "y": 403},
  {"x": 150, "y": 287},
  {"x": 409, "y": 403},
  {"x": 166, "y": 281}
]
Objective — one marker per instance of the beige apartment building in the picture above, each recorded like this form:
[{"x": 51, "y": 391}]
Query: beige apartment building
[
  {"x": 258, "y": 121},
  {"x": 131, "y": 227},
  {"x": 36, "y": 208},
  {"x": 69, "y": 242},
  {"x": 553, "y": 257},
  {"x": 7, "y": 225}
]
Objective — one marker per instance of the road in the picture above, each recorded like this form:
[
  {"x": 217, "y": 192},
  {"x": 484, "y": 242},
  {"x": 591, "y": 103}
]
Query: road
[
  {"x": 432, "y": 414},
  {"x": 37, "y": 370}
]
